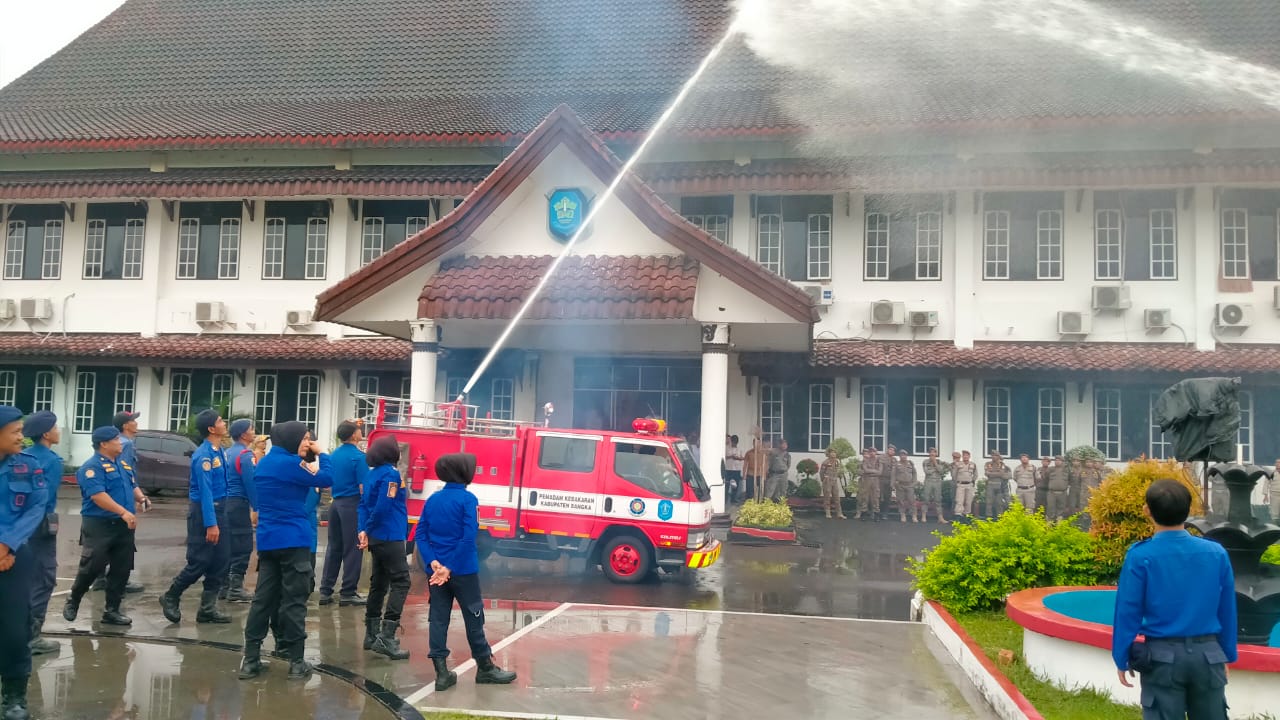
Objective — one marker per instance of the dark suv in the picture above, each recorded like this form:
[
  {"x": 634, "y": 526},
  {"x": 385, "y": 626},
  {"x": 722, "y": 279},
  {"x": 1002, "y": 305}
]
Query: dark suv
[{"x": 164, "y": 460}]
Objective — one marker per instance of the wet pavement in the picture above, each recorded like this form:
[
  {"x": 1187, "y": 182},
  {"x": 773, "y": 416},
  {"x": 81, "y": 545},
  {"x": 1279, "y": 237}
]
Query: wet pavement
[{"x": 792, "y": 632}]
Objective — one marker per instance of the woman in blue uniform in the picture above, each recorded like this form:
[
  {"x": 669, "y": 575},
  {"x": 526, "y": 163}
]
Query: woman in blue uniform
[{"x": 384, "y": 525}]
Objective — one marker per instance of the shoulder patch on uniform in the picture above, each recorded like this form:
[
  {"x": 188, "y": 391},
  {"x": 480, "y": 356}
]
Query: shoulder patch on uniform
[
  {"x": 89, "y": 473},
  {"x": 391, "y": 489},
  {"x": 303, "y": 464},
  {"x": 217, "y": 462},
  {"x": 206, "y": 466}
]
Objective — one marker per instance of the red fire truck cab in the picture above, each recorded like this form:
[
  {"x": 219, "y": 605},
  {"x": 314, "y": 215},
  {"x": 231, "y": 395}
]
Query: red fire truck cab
[{"x": 631, "y": 502}]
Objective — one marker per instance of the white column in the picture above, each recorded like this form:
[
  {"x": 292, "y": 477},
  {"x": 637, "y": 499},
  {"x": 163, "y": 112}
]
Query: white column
[
  {"x": 740, "y": 226},
  {"x": 339, "y": 256},
  {"x": 967, "y": 269},
  {"x": 1203, "y": 268},
  {"x": 422, "y": 369},
  {"x": 966, "y": 408},
  {"x": 715, "y": 409},
  {"x": 158, "y": 227},
  {"x": 146, "y": 394}
]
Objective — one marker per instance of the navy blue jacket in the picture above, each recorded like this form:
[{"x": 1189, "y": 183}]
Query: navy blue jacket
[
  {"x": 284, "y": 482},
  {"x": 208, "y": 480},
  {"x": 382, "y": 513},
  {"x": 98, "y": 474},
  {"x": 23, "y": 497},
  {"x": 240, "y": 474},
  {"x": 349, "y": 470},
  {"x": 447, "y": 530},
  {"x": 50, "y": 463}
]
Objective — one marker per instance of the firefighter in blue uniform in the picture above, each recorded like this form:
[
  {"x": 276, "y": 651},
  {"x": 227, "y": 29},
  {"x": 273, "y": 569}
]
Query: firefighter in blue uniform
[
  {"x": 208, "y": 548},
  {"x": 242, "y": 500},
  {"x": 127, "y": 423},
  {"x": 42, "y": 429},
  {"x": 23, "y": 498}
]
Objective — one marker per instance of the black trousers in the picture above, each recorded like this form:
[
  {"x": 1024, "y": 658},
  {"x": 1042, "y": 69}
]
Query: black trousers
[
  {"x": 240, "y": 526},
  {"x": 44, "y": 576},
  {"x": 343, "y": 550},
  {"x": 204, "y": 559},
  {"x": 106, "y": 544},
  {"x": 15, "y": 616},
  {"x": 390, "y": 572},
  {"x": 285, "y": 580},
  {"x": 466, "y": 590},
  {"x": 1188, "y": 679}
]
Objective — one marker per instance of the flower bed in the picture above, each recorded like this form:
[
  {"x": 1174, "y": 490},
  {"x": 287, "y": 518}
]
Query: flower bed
[{"x": 763, "y": 522}]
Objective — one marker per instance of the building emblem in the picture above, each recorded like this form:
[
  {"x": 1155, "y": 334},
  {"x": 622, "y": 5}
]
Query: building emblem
[
  {"x": 566, "y": 211},
  {"x": 665, "y": 510}
]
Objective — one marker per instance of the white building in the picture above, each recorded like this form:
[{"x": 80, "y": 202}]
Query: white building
[{"x": 978, "y": 271}]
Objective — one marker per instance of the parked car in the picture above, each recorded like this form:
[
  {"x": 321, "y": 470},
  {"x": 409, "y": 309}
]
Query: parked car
[{"x": 164, "y": 460}]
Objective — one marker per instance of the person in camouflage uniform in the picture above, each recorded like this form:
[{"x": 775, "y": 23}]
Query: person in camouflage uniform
[
  {"x": 830, "y": 474},
  {"x": 869, "y": 485},
  {"x": 904, "y": 484},
  {"x": 933, "y": 472},
  {"x": 998, "y": 475}
]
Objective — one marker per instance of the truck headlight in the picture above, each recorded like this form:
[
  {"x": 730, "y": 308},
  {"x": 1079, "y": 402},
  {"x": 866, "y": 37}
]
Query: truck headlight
[{"x": 697, "y": 539}]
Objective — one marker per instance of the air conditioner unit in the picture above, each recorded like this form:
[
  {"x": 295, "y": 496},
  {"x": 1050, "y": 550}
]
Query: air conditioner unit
[
  {"x": 209, "y": 313},
  {"x": 1071, "y": 322},
  {"x": 885, "y": 312},
  {"x": 922, "y": 319},
  {"x": 298, "y": 318},
  {"x": 8, "y": 309},
  {"x": 820, "y": 294},
  {"x": 1233, "y": 315},
  {"x": 1111, "y": 297},
  {"x": 1157, "y": 320},
  {"x": 35, "y": 309}
]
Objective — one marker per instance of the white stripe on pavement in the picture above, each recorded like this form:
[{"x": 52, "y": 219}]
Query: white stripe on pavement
[{"x": 495, "y": 713}]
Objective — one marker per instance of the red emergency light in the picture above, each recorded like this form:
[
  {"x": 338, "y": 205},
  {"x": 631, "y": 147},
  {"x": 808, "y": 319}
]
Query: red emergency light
[{"x": 648, "y": 425}]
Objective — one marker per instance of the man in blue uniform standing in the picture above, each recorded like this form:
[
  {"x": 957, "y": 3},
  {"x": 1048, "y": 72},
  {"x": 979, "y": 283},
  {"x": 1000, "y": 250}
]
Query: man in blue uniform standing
[
  {"x": 343, "y": 550},
  {"x": 23, "y": 498},
  {"x": 107, "y": 524},
  {"x": 42, "y": 429},
  {"x": 208, "y": 550},
  {"x": 127, "y": 423},
  {"x": 1178, "y": 590},
  {"x": 286, "y": 477},
  {"x": 242, "y": 500}
]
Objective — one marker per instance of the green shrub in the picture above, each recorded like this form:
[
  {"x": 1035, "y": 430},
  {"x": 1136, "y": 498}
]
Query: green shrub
[
  {"x": 1084, "y": 452},
  {"x": 809, "y": 488},
  {"x": 848, "y": 454},
  {"x": 807, "y": 468},
  {"x": 978, "y": 565},
  {"x": 1116, "y": 509},
  {"x": 764, "y": 514},
  {"x": 1272, "y": 555}
]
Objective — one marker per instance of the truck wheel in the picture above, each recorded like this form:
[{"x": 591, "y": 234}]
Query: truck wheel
[{"x": 626, "y": 560}]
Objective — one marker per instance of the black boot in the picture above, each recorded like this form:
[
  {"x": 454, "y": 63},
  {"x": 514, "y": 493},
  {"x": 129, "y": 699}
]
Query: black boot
[
  {"x": 71, "y": 609},
  {"x": 40, "y": 645},
  {"x": 445, "y": 678},
  {"x": 490, "y": 674},
  {"x": 370, "y": 632},
  {"x": 113, "y": 616},
  {"x": 251, "y": 666},
  {"x": 299, "y": 669},
  {"x": 352, "y": 599},
  {"x": 14, "y": 703},
  {"x": 235, "y": 591},
  {"x": 209, "y": 612},
  {"x": 170, "y": 606},
  {"x": 387, "y": 644},
  {"x": 134, "y": 588}
]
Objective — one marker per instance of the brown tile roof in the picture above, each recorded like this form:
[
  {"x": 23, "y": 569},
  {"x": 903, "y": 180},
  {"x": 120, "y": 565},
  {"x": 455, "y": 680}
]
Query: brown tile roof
[
  {"x": 208, "y": 349},
  {"x": 159, "y": 74},
  {"x": 377, "y": 181},
  {"x": 584, "y": 287},
  {"x": 563, "y": 128},
  {"x": 1019, "y": 357}
]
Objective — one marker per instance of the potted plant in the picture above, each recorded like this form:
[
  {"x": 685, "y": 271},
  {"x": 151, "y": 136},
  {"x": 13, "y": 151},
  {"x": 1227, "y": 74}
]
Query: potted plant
[
  {"x": 766, "y": 521},
  {"x": 807, "y": 494}
]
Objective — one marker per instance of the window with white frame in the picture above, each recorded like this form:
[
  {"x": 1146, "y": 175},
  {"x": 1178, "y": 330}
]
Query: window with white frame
[
  {"x": 131, "y": 259},
  {"x": 317, "y": 247},
  {"x": 876, "y": 246},
  {"x": 1245, "y": 435},
  {"x": 875, "y": 415},
  {"x": 229, "y": 249},
  {"x": 95, "y": 244},
  {"x": 125, "y": 382},
  {"x": 1107, "y": 231},
  {"x": 8, "y": 387},
  {"x": 387, "y": 223},
  {"x": 711, "y": 214},
  {"x": 296, "y": 240},
  {"x": 821, "y": 415},
  {"x": 15, "y": 244},
  {"x": 995, "y": 245},
  {"x": 453, "y": 388},
  {"x": 114, "y": 239},
  {"x": 1049, "y": 245},
  {"x": 717, "y": 226},
  {"x": 1051, "y": 425},
  {"x": 819, "y": 246},
  {"x": 405, "y": 384},
  {"x": 42, "y": 399},
  {"x": 769, "y": 242},
  {"x": 32, "y": 243},
  {"x": 188, "y": 247},
  {"x": 179, "y": 400},
  {"x": 371, "y": 240},
  {"x": 1235, "y": 243},
  {"x": 929, "y": 246},
  {"x": 996, "y": 415},
  {"x": 273, "y": 249},
  {"x": 770, "y": 412},
  {"x": 414, "y": 224},
  {"x": 309, "y": 399},
  {"x": 502, "y": 399},
  {"x": 1161, "y": 446},
  {"x": 221, "y": 390},
  {"x": 264, "y": 401},
  {"x": 366, "y": 392},
  {"x": 82, "y": 420},
  {"x": 1135, "y": 234},
  {"x": 924, "y": 418},
  {"x": 1164, "y": 244},
  {"x": 51, "y": 255},
  {"x": 1106, "y": 422}
]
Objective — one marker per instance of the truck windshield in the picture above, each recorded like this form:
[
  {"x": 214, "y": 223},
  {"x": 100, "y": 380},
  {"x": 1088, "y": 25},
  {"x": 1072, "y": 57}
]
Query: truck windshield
[{"x": 692, "y": 475}]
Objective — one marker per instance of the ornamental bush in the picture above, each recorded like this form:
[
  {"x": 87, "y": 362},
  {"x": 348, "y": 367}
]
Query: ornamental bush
[
  {"x": 978, "y": 565},
  {"x": 809, "y": 488},
  {"x": 807, "y": 468},
  {"x": 1084, "y": 452},
  {"x": 1116, "y": 509},
  {"x": 852, "y": 464},
  {"x": 764, "y": 514},
  {"x": 1272, "y": 555}
]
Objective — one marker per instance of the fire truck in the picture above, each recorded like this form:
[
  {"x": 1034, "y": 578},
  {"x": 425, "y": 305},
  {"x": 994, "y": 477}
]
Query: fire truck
[{"x": 630, "y": 502}]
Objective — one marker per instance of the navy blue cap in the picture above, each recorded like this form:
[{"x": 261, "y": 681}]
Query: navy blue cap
[
  {"x": 8, "y": 414},
  {"x": 239, "y": 427},
  {"x": 38, "y": 424},
  {"x": 106, "y": 433}
]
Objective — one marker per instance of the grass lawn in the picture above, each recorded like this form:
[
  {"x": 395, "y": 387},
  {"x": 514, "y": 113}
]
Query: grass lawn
[{"x": 993, "y": 631}]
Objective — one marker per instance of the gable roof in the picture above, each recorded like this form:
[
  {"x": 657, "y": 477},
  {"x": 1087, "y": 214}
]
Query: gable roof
[
  {"x": 563, "y": 127},
  {"x": 161, "y": 74}
]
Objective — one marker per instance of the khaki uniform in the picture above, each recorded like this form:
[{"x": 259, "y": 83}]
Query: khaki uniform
[
  {"x": 1059, "y": 482},
  {"x": 932, "y": 488},
  {"x": 1075, "y": 478},
  {"x": 886, "y": 485},
  {"x": 965, "y": 474},
  {"x": 829, "y": 474},
  {"x": 775, "y": 484},
  {"x": 869, "y": 486},
  {"x": 1274, "y": 488},
  {"x": 1090, "y": 480},
  {"x": 998, "y": 475},
  {"x": 1042, "y": 487},
  {"x": 1024, "y": 476},
  {"x": 755, "y": 465},
  {"x": 904, "y": 484}
]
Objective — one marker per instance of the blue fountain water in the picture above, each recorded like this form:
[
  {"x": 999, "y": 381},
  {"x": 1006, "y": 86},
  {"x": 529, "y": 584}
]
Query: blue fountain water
[{"x": 1099, "y": 606}]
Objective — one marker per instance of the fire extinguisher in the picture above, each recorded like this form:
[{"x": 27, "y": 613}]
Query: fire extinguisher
[{"x": 418, "y": 473}]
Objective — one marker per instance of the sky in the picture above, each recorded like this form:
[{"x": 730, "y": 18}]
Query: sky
[{"x": 36, "y": 29}]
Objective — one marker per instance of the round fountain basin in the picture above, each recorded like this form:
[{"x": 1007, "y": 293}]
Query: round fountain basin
[{"x": 1067, "y": 640}]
